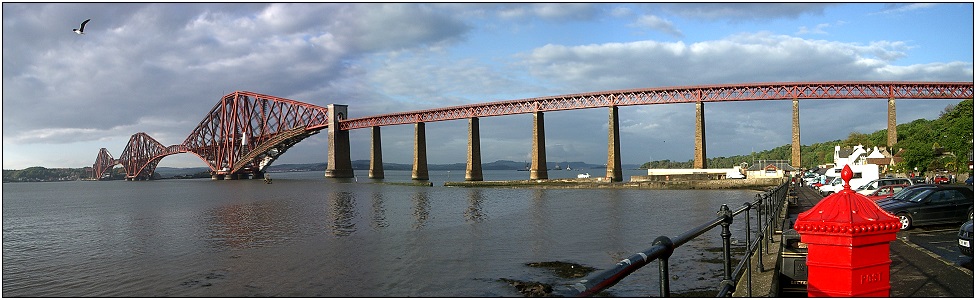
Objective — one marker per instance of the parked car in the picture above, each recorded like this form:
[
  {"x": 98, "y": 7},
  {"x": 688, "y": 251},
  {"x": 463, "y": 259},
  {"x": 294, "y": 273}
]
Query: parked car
[
  {"x": 832, "y": 186},
  {"x": 966, "y": 238},
  {"x": 930, "y": 204},
  {"x": 941, "y": 179},
  {"x": 862, "y": 174},
  {"x": 969, "y": 181},
  {"x": 886, "y": 191},
  {"x": 826, "y": 179},
  {"x": 872, "y": 186}
]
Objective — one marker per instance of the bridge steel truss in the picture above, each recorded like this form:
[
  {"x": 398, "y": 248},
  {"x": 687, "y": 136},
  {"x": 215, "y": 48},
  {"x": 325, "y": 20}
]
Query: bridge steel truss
[
  {"x": 242, "y": 134},
  {"x": 686, "y": 94},
  {"x": 103, "y": 162},
  {"x": 142, "y": 154},
  {"x": 246, "y": 131}
]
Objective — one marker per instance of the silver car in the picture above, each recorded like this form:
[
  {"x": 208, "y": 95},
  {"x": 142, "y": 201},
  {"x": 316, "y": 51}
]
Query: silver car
[{"x": 872, "y": 186}]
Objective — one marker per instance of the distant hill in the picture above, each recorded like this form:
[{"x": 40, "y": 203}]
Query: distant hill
[{"x": 166, "y": 172}]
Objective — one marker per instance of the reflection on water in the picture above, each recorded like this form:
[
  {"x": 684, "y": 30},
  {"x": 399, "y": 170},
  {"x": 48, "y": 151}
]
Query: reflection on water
[
  {"x": 342, "y": 210},
  {"x": 249, "y": 225},
  {"x": 305, "y": 236},
  {"x": 421, "y": 208},
  {"x": 474, "y": 212},
  {"x": 541, "y": 220},
  {"x": 379, "y": 212}
]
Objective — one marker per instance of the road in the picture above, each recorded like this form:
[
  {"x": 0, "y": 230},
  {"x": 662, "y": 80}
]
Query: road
[{"x": 941, "y": 240}]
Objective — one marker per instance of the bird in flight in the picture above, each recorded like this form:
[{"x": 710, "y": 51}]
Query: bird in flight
[{"x": 82, "y": 29}]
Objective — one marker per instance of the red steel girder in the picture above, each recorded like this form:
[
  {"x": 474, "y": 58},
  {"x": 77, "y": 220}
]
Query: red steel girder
[
  {"x": 243, "y": 122},
  {"x": 103, "y": 162},
  {"x": 142, "y": 154},
  {"x": 245, "y": 131},
  {"x": 685, "y": 94}
]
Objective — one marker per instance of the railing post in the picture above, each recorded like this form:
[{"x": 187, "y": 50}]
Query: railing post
[
  {"x": 748, "y": 206},
  {"x": 664, "y": 278},
  {"x": 726, "y": 216},
  {"x": 768, "y": 235},
  {"x": 759, "y": 230}
]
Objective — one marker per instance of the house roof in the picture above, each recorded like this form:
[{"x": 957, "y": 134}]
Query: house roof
[{"x": 845, "y": 151}]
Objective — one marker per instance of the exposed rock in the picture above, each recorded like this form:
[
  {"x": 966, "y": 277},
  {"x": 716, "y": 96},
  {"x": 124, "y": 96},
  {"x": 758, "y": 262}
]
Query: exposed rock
[
  {"x": 531, "y": 289},
  {"x": 564, "y": 269}
]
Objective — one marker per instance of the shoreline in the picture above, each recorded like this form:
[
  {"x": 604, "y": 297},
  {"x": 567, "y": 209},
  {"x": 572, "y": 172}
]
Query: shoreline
[{"x": 602, "y": 183}]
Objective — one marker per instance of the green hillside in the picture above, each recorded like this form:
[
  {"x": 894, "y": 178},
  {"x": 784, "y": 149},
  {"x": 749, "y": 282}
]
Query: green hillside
[{"x": 945, "y": 143}]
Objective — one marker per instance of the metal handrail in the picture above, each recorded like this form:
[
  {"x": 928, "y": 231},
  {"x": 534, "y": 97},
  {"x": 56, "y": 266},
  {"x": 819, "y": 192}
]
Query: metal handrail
[
  {"x": 745, "y": 264},
  {"x": 770, "y": 202}
]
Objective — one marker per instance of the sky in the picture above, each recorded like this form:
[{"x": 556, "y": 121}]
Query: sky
[{"x": 160, "y": 67}]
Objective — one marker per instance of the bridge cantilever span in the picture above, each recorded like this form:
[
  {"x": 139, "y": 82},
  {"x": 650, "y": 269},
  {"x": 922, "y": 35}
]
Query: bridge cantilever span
[
  {"x": 142, "y": 154},
  {"x": 103, "y": 162},
  {"x": 247, "y": 131},
  {"x": 241, "y": 135}
]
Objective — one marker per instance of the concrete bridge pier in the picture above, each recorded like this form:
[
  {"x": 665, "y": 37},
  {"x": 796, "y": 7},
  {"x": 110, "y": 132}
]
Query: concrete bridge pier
[
  {"x": 340, "y": 165},
  {"x": 473, "y": 170},
  {"x": 376, "y": 155},
  {"x": 700, "y": 157},
  {"x": 614, "y": 168},
  {"x": 538, "y": 168},
  {"x": 419, "y": 153}
]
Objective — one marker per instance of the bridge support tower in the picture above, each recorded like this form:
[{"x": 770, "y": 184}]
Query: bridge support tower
[
  {"x": 795, "y": 153},
  {"x": 614, "y": 168},
  {"x": 538, "y": 169},
  {"x": 340, "y": 165},
  {"x": 419, "y": 153},
  {"x": 892, "y": 125},
  {"x": 376, "y": 155},
  {"x": 473, "y": 170},
  {"x": 700, "y": 157}
]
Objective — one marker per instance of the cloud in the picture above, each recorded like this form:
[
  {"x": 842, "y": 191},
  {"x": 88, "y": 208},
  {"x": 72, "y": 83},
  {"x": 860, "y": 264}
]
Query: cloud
[
  {"x": 548, "y": 11},
  {"x": 819, "y": 29},
  {"x": 658, "y": 24},
  {"x": 902, "y": 8},
  {"x": 159, "y": 68},
  {"x": 424, "y": 80},
  {"x": 756, "y": 57},
  {"x": 160, "y": 60},
  {"x": 739, "y": 12}
]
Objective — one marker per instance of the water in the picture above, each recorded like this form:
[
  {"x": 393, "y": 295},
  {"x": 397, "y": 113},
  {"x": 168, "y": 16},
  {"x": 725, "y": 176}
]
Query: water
[{"x": 305, "y": 236}]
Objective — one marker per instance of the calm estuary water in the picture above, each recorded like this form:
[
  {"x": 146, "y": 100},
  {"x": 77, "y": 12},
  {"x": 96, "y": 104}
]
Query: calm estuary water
[{"x": 307, "y": 236}]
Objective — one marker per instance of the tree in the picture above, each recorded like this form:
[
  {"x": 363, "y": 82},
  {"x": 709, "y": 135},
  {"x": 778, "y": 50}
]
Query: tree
[{"x": 857, "y": 138}]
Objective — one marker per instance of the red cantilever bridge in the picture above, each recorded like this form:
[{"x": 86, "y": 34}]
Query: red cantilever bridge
[{"x": 246, "y": 131}]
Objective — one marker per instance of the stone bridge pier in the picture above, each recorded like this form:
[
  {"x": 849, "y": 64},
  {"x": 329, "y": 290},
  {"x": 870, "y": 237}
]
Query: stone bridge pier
[{"x": 340, "y": 165}]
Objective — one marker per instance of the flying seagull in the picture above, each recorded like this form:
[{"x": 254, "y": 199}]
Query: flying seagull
[{"x": 82, "y": 29}]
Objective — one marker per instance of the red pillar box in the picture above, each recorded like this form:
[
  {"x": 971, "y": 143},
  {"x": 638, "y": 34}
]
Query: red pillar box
[{"x": 847, "y": 239}]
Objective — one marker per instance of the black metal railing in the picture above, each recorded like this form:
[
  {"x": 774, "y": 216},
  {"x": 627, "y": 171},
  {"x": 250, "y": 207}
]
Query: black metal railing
[{"x": 769, "y": 207}]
